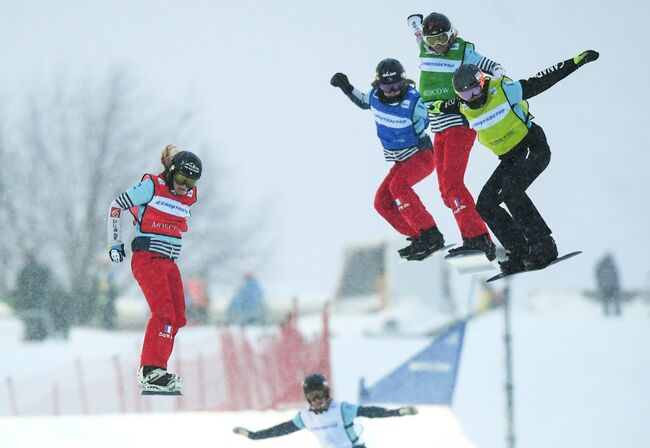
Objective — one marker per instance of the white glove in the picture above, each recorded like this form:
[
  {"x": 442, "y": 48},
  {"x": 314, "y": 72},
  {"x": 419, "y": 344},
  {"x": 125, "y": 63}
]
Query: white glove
[
  {"x": 408, "y": 410},
  {"x": 117, "y": 252},
  {"x": 241, "y": 431},
  {"x": 414, "y": 22},
  {"x": 499, "y": 72}
]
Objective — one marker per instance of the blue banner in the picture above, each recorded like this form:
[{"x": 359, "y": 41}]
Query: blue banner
[{"x": 429, "y": 377}]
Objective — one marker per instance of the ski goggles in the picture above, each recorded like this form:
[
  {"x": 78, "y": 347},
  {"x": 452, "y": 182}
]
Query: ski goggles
[
  {"x": 182, "y": 179},
  {"x": 471, "y": 93},
  {"x": 320, "y": 395},
  {"x": 438, "y": 39},
  {"x": 392, "y": 87}
]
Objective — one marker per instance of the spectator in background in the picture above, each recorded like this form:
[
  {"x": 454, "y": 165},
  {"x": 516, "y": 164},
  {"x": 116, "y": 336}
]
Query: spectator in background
[
  {"x": 31, "y": 299},
  {"x": 608, "y": 283},
  {"x": 198, "y": 300},
  {"x": 106, "y": 293},
  {"x": 247, "y": 305},
  {"x": 59, "y": 306}
]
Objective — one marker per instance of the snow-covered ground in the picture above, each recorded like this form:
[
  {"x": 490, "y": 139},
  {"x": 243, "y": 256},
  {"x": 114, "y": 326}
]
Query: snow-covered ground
[{"x": 580, "y": 380}]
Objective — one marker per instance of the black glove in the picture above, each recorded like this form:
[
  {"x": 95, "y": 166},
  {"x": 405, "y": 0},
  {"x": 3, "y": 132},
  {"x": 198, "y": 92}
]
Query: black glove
[
  {"x": 340, "y": 80},
  {"x": 443, "y": 107},
  {"x": 241, "y": 431},
  {"x": 117, "y": 253},
  {"x": 585, "y": 57}
]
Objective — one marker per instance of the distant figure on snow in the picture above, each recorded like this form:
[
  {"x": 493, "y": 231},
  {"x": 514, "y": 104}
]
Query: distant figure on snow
[
  {"x": 247, "y": 305},
  {"x": 609, "y": 286},
  {"x": 32, "y": 297}
]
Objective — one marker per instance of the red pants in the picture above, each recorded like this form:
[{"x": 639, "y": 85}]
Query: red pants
[
  {"x": 396, "y": 201},
  {"x": 451, "y": 153},
  {"x": 161, "y": 283}
]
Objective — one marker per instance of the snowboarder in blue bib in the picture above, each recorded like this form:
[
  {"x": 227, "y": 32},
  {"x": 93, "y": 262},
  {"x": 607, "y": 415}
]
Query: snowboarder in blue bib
[
  {"x": 401, "y": 120},
  {"x": 497, "y": 109},
  {"x": 331, "y": 421}
]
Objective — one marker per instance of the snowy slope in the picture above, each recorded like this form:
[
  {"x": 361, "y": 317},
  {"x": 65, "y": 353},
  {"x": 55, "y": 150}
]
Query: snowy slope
[
  {"x": 435, "y": 427},
  {"x": 580, "y": 380}
]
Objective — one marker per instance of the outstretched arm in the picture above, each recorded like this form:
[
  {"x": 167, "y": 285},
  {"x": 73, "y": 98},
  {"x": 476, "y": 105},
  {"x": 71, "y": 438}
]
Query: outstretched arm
[
  {"x": 492, "y": 68},
  {"x": 552, "y": 75},
  {"x": 414, "y": 22},
  {"x": 274, "y": 431},
  {"x": 378, "y": 412},
  {"x": 340, "y": 80}
]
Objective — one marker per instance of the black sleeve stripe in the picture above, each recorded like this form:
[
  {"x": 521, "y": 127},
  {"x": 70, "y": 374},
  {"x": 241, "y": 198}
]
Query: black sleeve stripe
[
  {"x": 124, "y": 201},
  {"x": 487, "y": 65}
]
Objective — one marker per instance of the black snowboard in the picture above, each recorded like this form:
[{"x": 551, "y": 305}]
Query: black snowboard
[
  {"x": 557, "y": 260},
  {"x": 160, "y": 393}
]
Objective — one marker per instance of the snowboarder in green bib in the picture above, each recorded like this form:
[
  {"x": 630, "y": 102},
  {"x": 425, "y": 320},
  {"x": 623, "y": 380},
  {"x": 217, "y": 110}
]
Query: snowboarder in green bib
[
  {"x": 441, "y": 53},
  {"x": 497, "y": 109}
]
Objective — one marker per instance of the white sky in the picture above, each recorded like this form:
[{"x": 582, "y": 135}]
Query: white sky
[{"x": 259, "y": 73}]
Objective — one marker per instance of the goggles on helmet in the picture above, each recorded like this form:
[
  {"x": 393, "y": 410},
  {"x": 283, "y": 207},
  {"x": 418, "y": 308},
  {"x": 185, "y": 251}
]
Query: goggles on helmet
[
  {"x": 392, "y": 87},
  {"x": 438, "y": 39},
  {"x": 475, "y": 90},
  {"x": 471, "y": 93},
  {"x": 182, "y": 179}
]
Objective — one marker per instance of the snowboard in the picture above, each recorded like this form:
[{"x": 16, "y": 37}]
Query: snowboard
[
  {"x": 438, "y": 252},
  {"x": 157, "y": 392},
  {"x": 470, "y": 262},
  {"x": 557, "y": 260}
]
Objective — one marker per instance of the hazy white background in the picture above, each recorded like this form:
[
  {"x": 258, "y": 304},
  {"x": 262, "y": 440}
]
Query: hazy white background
[{"x": 258, "y": 73}]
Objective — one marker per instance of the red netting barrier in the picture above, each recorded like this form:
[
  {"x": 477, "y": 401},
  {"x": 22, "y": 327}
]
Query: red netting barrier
[{"x": 232, "y": 369}]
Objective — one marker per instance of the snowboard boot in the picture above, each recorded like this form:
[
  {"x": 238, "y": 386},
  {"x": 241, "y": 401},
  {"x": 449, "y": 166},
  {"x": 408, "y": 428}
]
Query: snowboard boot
[
  {"x": 157, "y": 381},
  {"x": 514, "y": 263},
  {"x": 429, "y": 241},
  {"x": 406, "y": 251},
  {"x": 542, "y": 253},
  {"x": 481, "y": 242}
]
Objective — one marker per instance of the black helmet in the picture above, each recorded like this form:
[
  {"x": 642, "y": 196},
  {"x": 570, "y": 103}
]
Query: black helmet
[
  {"x": 389, "y": 71},
  {"x": 186, "y": 163},
  {"x": 469, "y": 84},
  {"x": 435, "y": 23},
  {"x": 188, "y": 166},
  {"x": 315, "y": 381}
]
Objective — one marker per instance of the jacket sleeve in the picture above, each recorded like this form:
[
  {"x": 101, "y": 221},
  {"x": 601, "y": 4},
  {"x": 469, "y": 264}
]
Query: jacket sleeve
[
  {"x": 376, "y": 412},
  {"x": 275, "y": 431},
  {"x": 138, "y": 194},
  {"x": 546, "y": 78},
  {"x": 359, "y": 98}
]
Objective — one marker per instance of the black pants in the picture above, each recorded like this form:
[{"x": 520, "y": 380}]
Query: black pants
[{"x": 520, "y": 225}]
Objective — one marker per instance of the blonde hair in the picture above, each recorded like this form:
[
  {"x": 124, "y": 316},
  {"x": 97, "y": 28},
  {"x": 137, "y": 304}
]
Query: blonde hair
[{"x": 168, "y": 154}]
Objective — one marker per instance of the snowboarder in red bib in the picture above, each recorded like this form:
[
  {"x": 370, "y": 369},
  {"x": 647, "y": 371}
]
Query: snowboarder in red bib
[
  {"x": 160, "y": 205},
  {"x": 401, "y": 120},
  {"x": 441, "y": 52}
]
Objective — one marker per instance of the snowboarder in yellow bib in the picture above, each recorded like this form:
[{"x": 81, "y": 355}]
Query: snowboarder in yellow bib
[{"x": 497, "y": 109}]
